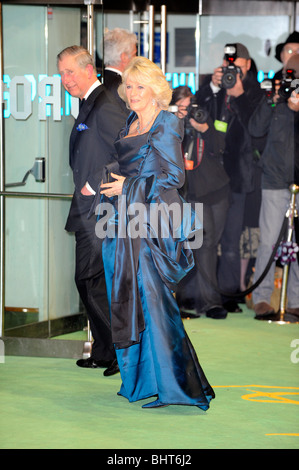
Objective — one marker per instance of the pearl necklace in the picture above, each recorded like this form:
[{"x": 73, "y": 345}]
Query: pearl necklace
[{"x": 140, "y": 131}]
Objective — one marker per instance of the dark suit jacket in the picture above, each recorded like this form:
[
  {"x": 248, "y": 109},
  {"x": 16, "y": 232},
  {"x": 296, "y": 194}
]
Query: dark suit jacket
[
  {"x": 91, "y": 148},
  {"x": 112, "y": 80}
]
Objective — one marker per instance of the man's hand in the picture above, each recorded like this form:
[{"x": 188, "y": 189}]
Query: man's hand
[
  {"x": 293, "y": 102},
  {"x": 235, "y": 91},
  {"x": 199, "y": 127},
  {"x": 85, "y": 191},
  {"x": 217, "y": 76}
]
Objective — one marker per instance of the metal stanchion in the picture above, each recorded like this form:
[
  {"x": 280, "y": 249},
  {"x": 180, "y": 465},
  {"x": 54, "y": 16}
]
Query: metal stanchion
[
  {"x": 291, "y": 214},
  {"x": 90, "y": 46},
  {"x": 87, "y": 344}
]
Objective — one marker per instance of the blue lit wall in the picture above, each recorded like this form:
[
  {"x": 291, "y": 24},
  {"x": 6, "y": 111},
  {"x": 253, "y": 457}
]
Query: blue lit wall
[{"x": 69, "y": 104}]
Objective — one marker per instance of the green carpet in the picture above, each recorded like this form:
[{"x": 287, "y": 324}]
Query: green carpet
[{"x": 50, "y": 403}]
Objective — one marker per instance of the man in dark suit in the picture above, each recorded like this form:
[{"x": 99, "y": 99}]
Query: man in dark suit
[
  {"x": 119, "y": 48},
  {"x": 91, "y": 148}
]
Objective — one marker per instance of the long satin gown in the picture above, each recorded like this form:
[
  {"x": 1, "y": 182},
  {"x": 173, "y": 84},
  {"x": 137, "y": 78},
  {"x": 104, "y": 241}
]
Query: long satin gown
[{"x": 155, "y": 356}]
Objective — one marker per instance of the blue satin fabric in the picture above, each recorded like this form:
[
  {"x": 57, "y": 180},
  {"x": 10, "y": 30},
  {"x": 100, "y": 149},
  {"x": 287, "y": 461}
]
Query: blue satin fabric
[{"x": 154, "y": 353}]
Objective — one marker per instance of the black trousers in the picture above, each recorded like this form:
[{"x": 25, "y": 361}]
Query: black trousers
[
  {"x": 206, "y": 257},
  {"x": 91, "y": 285},
  {"x": 196, "y": 287},
  {"x": 229, "y": 266}
]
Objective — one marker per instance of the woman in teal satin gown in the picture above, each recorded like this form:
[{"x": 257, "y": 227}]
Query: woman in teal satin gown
[{"x": 142, "y": 265}]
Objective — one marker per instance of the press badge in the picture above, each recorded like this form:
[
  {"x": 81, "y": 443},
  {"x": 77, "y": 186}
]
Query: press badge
[{"x": 220, "y": 126}]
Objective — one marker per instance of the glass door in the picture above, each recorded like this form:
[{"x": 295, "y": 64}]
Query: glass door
[
  {"x": 168, "y": 38},
  {"x": 39, "y": 294}
]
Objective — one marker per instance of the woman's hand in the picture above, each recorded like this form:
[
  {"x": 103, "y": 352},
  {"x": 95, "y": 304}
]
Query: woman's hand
[{"x": 114, "y": 188}]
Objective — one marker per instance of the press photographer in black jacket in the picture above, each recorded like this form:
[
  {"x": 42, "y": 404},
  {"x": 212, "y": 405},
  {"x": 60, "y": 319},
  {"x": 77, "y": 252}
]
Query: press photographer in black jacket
[
  {"x": 277, "y": 117},
  {"x": 230, "y": 95},
  {"x": 206, "y": 182}
]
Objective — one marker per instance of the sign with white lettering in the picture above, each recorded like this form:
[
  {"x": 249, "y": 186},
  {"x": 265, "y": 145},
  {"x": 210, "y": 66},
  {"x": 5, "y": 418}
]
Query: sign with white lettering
[{"x": 20, "y": 92}]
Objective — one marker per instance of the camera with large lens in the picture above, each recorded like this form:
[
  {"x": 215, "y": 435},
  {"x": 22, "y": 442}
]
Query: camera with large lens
[
  {"x": 230, "y": 72},
  {"x": 196, "y": 112},
  {"x": 268, "y": 87},
  {"x": 287, "y": 85}
]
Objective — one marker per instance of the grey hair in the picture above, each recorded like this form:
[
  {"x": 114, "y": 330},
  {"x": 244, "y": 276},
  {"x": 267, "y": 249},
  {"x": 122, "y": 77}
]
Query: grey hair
[
  {"x": 116, "y": 42},
  {"x": 82, "y": 56}
]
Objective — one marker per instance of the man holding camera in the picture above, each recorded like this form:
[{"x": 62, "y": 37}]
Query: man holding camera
[
  {"x": 230, "y": 95},
  {"x": 285, "y": 50},
  {"x": 207, "y": 183},
  {"x": 279, "y": 120}
]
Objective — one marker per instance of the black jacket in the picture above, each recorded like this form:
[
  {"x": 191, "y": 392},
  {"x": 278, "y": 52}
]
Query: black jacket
[
  {"x": 207, "y": 180},
  {"x": 112, "y": 80},
  {"x": 91, "y": 148},
  {"x": 280, "y": 159},
  {"x": 238, "y": 147}
]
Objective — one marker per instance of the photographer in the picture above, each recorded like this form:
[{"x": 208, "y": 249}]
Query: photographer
[
  {"x": 206, "y": 182},
  {"x": 279, "y": 121},
  {"x": 230, "y": 95},
  {"x": 284, "y": 51}
]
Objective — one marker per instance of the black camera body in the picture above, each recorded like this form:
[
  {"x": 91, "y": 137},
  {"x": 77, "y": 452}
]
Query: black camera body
[
  {"x": 231, "y": 71},
  {"x": 287, "y": 86},
  {"x": 196, "y": 112},
  {"x": 268, "y": 87}
]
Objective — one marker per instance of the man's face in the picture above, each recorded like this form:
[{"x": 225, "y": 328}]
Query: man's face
[
  {"x": 76, "y": 80},
  {"x": 244, "y": 65},
  {"x": 288, "y": 51}
]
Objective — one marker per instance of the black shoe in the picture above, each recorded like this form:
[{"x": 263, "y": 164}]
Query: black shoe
[
  {"x": 187, "y": 304},
  {"x": 92, "y": 363},
  {"x": 218, "y": 313},
  {"x": 112, "y": 369},
  {"x": 189, "y": 313},
  {"x": 232, "y": 306}
]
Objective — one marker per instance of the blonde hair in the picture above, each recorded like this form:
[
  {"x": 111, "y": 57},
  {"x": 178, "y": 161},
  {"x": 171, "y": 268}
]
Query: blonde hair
[{"x": 143, "y": 70}]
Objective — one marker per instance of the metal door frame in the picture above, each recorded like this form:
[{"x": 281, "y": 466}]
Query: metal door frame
[{"x": 90, "y": 42}]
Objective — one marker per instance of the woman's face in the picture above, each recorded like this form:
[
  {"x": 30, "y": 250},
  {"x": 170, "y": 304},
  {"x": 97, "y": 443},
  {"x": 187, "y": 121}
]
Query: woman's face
[
  {"x": 139, "y": 96},
  {"x": 182, "y": 107}
]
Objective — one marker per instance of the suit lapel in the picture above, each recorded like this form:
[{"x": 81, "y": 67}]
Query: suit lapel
[{"x": 82, "y": 116}]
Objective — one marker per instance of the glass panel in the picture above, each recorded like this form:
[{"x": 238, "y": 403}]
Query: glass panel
[
  {"x": 180, "y": 42},
  {"x": 260, "y": 34},
  {"x": 39, "y": 254},
  {"x": 187, "y": 56}
]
